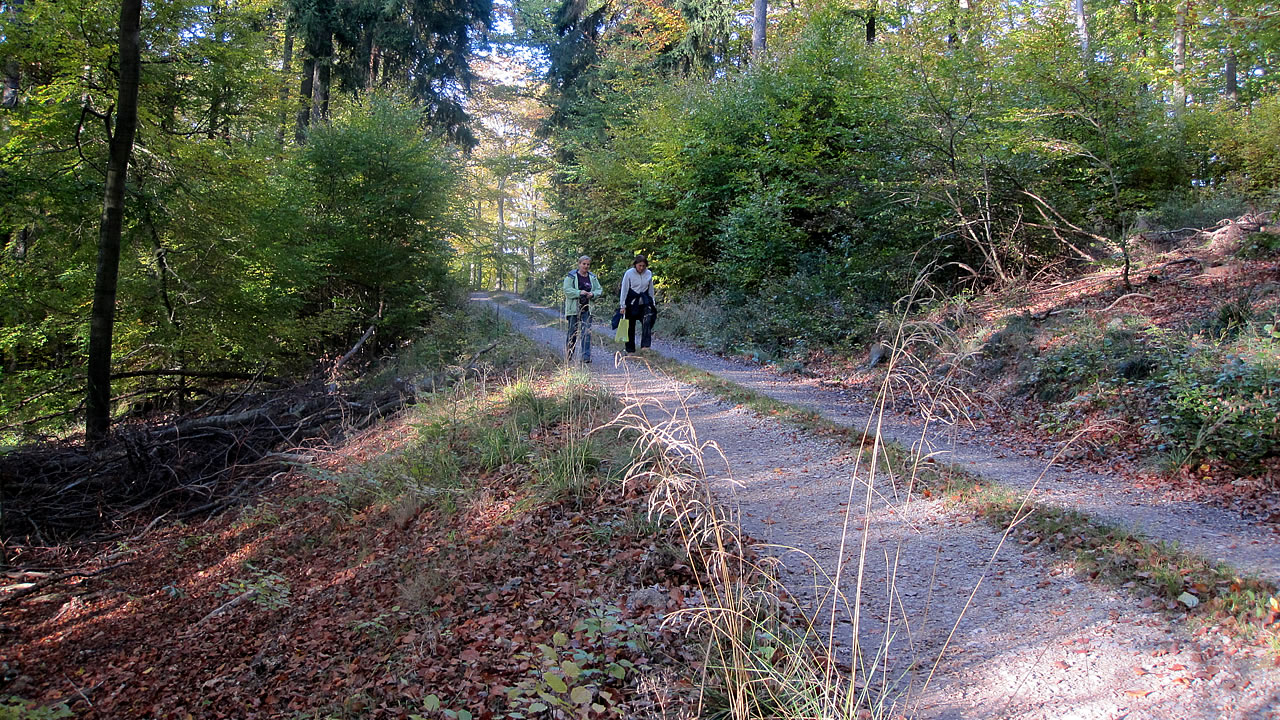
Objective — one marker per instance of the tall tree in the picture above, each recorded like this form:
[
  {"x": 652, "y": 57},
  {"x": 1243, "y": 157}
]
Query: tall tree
[
  {"x": 316, "y": 22},
  {"x": 286, "y": 67},
  {"x": 12, "y": 71},
  {"x": 1230, "y": 71},
  {"x": 102, "y": 317},
  {"x": 759, "y": 22},
  {"x": 1180, "y": 57},
  {"x": 1082, "y": 26}
]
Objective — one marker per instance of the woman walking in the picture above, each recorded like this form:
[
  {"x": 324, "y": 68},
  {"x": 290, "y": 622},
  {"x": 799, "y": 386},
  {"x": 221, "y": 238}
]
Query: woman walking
[
  {"x": 580, "y": 286},
  {"x": 636, "y": 300}
]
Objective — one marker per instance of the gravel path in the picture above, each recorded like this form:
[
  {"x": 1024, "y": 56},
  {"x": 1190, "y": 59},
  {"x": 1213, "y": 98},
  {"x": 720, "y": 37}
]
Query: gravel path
[{"x": 1034, "y": 641}]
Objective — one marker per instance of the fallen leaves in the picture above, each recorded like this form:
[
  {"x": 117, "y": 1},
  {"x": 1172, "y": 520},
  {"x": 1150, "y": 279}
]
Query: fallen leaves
[
  {"x": 1138, "y": 693},
  {"x": 432, "y": 611}
]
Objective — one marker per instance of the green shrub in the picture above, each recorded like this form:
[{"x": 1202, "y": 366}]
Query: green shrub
[
  {"x": 1232, "y": 414},
  {"x": 1259, "y": 246},
  {"x": 15, "y": 708},
  {"x": 1232, "y": 317},
  {"x": 1123, "y": 352},
  {"x": 1197, "y": 210}
]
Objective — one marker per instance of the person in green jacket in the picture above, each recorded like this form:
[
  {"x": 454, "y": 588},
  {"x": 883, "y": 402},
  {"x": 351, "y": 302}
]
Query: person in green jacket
[{"x": 580, "y": 286}]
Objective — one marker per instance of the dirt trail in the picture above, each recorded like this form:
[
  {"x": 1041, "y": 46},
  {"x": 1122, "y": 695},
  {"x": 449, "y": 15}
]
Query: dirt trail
[
  {"x": 1212, "y": 533},
  {"x": 1034, "y": 642}
]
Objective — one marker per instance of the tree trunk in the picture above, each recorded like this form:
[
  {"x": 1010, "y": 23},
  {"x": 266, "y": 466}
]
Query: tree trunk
[
  {"x": 759, "y": 23},
  {"x": 1231, "y": 71},
  {"x": 1180, "y": 58},
  {"x": 320, "y": 108},
  {"x": 304, "y": 109},
  {"x": 502, "y": 217},
  {"x": 871, "y": 23},
  {"x": 533, "y": 243},
  {"x": 102, "y": 317},
  {"x": 1232, "y": 77},
  {"x": 1141, "y": 31},
  {"x": 1082, "y": 26},
  {"x": 285, "y": 66},
  {"x": 12, "y": 71}
]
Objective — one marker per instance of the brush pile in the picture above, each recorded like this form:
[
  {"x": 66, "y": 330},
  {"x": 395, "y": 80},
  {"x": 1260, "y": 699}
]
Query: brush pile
[{"x": 175, "y": 467}]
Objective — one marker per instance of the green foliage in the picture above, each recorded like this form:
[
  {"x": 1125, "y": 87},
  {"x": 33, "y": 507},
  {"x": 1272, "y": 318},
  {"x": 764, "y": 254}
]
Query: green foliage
[
  {"x": 578, "y": 680},
  {"x": 262, "y": 587},
  {"x": 1122, "y": 352},
  {"x": 1245, "y": 146},
  {"x": 1260, "y": 246},
  {"x": 15, "y": 708},
  {"x": 379, "y": 211},
  {"x": 239, "y": 253},
  {"x": 1229, "y": 412},
  {"x": 232, "y": 265},
  {"x": 1195, "y": 210},
  {"x": 800, "y": 195},
  {"x": 1205, "y": 402}
]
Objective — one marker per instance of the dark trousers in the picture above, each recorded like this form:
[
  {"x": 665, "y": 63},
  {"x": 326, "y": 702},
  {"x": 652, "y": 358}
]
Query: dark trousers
[
  {"x": 579, "y": 327},
  {"x": 646, "y": 329}
]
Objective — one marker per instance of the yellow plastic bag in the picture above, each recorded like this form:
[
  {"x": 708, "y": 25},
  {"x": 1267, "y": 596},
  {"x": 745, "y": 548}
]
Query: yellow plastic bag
[{"x": 624, "y": 329}]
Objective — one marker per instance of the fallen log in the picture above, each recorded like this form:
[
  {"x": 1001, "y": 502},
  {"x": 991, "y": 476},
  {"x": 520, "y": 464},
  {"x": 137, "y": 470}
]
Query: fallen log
[
  {"x": 351, "y": 353},
  {"x": 33, "y": 588},
  {"x": 217, "y": 421}
]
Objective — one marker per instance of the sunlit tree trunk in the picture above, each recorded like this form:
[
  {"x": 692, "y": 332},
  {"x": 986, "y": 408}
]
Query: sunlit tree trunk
[
  {"x": 1180, "y": 57},
  {"x": 533, "y": 243},
  {"x": 1082, "y": 26},
  {"x": 320, "y": 106},
  {"x": 286, "y": 66},
  {"x": 12, "y": 72},
  {"x": 759, "y": 22},
  {"x": 1232, "y": 77},
  {"x": 102, "y": 316},
  {"x": 1231, "y": 72}
]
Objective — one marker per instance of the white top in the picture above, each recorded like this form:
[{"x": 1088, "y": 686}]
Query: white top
[{"x": 633, "y": 280}]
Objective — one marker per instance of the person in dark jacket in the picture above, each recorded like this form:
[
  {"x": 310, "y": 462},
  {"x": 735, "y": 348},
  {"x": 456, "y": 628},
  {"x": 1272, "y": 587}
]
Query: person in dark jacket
[{"x": 636, "y": 301}]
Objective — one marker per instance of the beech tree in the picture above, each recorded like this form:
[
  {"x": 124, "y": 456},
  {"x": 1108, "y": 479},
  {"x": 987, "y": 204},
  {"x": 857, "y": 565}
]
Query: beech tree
[
  {"x": 102, "y": 317},
  {"x": 759, "y": 24}
]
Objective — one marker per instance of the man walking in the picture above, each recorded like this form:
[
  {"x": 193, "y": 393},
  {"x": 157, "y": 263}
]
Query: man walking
[{"x": 580, "y": 286}]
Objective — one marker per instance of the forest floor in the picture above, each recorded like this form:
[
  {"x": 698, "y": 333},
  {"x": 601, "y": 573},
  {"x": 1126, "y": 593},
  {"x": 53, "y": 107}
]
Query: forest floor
[
  {"x": 475, "y": 556},
  {"x": 952, "y": 620}
]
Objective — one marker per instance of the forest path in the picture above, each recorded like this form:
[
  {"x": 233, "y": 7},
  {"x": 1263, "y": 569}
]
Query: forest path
[
  {"x": 1034, "y": 641},
  {"x": 1213, "y": 533}
]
